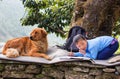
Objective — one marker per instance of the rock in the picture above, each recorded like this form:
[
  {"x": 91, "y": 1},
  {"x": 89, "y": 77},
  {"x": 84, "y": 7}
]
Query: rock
[
  {"x": 95, "y": 72},
  {"x": 14, "y": 74},
  {"x": 33, "y": 69},
  {"x": 109, "y": 70},
  {"x": 118, "y": 69},
  {"x": 75, "y": 75},
  {"x": 53, "y": 72},
  {"x": 13, "y": 67},
  {"x": 81, "y": 69}
]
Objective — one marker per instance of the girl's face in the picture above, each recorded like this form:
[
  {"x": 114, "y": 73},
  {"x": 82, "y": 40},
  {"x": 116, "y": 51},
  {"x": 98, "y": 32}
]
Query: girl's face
[{"x": 81, "y": 44}]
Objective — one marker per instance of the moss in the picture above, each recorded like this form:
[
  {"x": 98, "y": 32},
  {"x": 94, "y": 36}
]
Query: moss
[
  {"x": 2, "y": 67},
  {"x": 40, "y": 76},
  {"x": 109, "y": 76}
]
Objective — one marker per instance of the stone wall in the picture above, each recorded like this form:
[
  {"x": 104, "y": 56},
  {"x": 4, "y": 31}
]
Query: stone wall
[{"x": 64, "y": 70}]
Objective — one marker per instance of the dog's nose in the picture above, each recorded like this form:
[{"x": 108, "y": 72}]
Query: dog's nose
[{"x": 31, "y": 37}]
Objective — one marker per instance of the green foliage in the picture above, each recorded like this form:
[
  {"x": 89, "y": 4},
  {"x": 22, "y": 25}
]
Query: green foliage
[
  {"x": 53, "y": 15},
  {"x": 118, "y": 38},
  {"x": 2, "y": 67},
  {"x": 116, "y": 30}
]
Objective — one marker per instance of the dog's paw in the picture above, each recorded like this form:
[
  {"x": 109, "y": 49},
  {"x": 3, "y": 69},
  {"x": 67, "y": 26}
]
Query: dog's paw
[
  {"x": 49, "y": 58},
  {"x": 12, "y": 53}
]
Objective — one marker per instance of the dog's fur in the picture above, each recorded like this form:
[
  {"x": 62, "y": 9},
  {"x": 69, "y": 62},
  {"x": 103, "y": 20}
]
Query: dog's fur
[{"x": 36, "y": 45}]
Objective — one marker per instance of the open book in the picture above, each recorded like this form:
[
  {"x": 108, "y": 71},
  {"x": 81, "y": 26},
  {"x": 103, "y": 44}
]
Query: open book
[{"x": 115, "y": 60}]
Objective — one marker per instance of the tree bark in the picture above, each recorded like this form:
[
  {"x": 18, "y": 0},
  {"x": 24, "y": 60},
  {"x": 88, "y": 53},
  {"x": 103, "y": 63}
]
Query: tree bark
[{"x": 98, "y": 17}]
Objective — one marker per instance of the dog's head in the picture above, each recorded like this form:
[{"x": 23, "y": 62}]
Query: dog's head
[{"x": 38, "y": 34}]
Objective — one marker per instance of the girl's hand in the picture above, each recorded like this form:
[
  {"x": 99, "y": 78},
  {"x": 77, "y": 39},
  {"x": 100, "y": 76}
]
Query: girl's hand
[
  {"x": 70, "y": 54},
  {"x": 82, "y": 52}
]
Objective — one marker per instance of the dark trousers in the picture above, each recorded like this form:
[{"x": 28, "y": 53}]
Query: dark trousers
[{"x": 108, "y": 51}]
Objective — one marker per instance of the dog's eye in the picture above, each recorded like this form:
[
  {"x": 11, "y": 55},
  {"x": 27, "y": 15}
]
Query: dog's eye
[{"x": 35, "y": 32}]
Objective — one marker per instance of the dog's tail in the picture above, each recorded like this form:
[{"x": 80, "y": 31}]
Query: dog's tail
[{"x": 5, "y": 47}]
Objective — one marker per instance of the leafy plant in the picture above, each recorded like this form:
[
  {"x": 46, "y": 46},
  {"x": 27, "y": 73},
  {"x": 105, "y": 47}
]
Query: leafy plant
[
  {"x": 116, "y": 30},
  {"x": 53, "y": 15}
]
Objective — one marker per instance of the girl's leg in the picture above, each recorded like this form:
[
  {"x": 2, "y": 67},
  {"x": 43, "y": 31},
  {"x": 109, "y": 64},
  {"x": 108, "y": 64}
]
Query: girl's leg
[{"x": 108, "y": 51}]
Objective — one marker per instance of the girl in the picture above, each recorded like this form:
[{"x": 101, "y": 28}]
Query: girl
[{"x": 101, "y": 48}]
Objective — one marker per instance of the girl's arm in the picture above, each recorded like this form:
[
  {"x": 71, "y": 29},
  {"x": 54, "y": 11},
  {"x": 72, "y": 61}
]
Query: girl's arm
[
  {"x": 82, "y": 52},
  {"x": 76, "y": 54}
]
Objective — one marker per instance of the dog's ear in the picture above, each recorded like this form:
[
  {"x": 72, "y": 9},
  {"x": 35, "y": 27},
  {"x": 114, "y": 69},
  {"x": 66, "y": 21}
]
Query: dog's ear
[{"x": 44, "y": 33}]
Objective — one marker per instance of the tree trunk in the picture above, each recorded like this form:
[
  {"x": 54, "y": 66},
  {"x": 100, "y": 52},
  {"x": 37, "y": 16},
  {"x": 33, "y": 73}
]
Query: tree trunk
[{"x": 98, "y": 17}]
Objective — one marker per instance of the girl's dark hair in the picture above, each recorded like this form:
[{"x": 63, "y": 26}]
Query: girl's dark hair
[{"x": 78, "y": 37}]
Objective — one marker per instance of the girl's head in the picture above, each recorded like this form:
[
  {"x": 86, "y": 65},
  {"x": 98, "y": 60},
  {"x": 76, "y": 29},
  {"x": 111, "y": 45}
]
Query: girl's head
[{"x": 80, "y": 42}]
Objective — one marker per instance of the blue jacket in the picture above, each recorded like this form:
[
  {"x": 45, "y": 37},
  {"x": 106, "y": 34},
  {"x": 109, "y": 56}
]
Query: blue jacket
[{"x": 95, "y": 45}]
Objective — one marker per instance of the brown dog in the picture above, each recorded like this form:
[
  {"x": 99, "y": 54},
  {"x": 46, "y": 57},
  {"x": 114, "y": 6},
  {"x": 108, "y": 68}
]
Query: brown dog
[{"x": 36, "y": 45}]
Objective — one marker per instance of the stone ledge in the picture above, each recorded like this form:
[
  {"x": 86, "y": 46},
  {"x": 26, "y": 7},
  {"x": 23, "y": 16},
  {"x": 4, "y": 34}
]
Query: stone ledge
[{"x": 63, "y": 70}]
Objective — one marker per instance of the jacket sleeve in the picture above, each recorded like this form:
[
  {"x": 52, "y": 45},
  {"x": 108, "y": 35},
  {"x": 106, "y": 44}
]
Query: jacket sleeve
[{"x": 78, "y": 54}]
